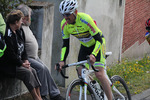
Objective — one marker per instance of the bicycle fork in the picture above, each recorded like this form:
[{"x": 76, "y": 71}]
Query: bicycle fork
[
  {"x": 85, "y": 80},
  {"x": 115, "y": 89}
]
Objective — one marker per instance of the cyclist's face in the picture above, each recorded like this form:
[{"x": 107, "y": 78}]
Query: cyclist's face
[{"x": 70, "y": 18}]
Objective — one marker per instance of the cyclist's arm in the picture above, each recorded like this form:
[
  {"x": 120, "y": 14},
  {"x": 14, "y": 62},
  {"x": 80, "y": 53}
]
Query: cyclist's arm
[
  {"x": 64, "y": 50},
  {"x": 2, "y": 25},
  {"x": 65, "y": 37},
  {"x": 96, "y": 33},
  {"x": 98, "y": 44}
]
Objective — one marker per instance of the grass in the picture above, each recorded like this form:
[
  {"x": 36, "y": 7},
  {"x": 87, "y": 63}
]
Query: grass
[{"x": 136, "y": 73}]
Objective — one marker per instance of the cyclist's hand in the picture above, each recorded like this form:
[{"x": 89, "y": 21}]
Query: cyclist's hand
[
  {"x": 60, "y": 64},
  {"x": 92, "y": 59}
]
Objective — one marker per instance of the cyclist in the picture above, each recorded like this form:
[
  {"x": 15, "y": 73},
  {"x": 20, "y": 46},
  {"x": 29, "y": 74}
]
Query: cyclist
[
  {"x": 91, "y": 39},
  {"x": 147, "y": 35},
  {"x": 147, "y": 24},
  {"x": 2, "y": 25},
  {"x": 2, "y": 32}
]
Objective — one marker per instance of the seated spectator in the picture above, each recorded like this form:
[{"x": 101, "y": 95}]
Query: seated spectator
[
  {"x": 48, "y": 85},
  {"x": 15, "y": 62}
]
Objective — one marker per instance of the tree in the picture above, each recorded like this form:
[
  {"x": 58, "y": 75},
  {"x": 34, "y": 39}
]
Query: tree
[{"x": 7, "y": 5}]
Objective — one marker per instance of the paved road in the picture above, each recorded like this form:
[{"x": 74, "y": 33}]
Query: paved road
[{"x": 145, "y": 95}]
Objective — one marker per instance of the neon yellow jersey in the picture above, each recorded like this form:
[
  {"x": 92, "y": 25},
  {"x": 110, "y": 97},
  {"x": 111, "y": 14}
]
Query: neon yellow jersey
[
  {"x": 84, "y": 29},
  {"x": 2, "y": 25}
]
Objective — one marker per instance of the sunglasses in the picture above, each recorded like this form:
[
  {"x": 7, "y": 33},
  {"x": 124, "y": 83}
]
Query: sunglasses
[{"x": 66, "y": 15}]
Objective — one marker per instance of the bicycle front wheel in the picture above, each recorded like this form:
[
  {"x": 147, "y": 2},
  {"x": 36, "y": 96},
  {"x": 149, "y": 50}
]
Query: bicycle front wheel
[
  {"x": 120, "y": 89},
  {"x": 73, "y": 91}
]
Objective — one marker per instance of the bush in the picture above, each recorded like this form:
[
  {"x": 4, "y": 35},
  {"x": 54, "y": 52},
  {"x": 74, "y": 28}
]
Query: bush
[
  {"x": 136, "y": 73},
  {"x": 7, "y": 5}
]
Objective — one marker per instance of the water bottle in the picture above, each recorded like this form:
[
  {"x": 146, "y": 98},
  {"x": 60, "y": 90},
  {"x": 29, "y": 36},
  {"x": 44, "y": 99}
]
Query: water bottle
[{"x": 96, "y": 88}]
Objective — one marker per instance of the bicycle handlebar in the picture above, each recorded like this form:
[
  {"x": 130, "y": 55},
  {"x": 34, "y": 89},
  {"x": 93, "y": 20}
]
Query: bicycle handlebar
[
  {"x": 58, "y": 67},
  {"x": 74, "y": 64}
]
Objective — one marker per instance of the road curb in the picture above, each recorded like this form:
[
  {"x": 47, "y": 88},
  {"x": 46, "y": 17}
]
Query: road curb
[{"x": 145, "y": 95}]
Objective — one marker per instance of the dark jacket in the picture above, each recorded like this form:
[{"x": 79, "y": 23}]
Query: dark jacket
[{"x": 15, "y": 53}]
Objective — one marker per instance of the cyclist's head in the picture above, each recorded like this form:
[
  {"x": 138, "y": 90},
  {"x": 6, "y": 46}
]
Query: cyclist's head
[
  {"x": 68, "y": 6},
  {"x": 147, "y": 24},
  {"x": 2, "y": 45}
]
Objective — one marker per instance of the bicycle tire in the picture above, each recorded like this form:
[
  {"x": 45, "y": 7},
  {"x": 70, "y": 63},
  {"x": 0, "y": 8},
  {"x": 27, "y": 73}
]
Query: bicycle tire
[
  {"x": 73, "y": 93},
  {"x": 120, "y": 84}
]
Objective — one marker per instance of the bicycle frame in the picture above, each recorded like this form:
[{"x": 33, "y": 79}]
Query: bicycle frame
[{"x": 86, "y": 79}]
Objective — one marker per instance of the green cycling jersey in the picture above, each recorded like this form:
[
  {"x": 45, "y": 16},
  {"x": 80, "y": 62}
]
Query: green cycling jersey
[
  {"x": 84, "y": 29},
  {"x": 2, "y": 25}
]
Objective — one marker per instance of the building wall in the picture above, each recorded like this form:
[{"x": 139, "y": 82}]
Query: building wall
[{"x": 136, "y": 13}]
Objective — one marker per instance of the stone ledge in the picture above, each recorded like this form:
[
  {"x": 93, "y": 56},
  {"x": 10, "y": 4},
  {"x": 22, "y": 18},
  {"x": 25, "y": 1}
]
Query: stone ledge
[
  {"x": 26, "y": 96},
  {"x": 11, "y": 87}
]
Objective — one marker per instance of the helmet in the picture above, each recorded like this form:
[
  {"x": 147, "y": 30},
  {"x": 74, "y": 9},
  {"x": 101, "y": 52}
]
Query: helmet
[
  {"x": 68, "y": 6},
  {"x": 2, "y": 45},
  {"x": 147, "y": 24}
]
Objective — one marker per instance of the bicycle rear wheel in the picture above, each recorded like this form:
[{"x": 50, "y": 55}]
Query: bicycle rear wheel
[
  {"x": 120, "y": 85},
  {"x": 73, "y": 91}
]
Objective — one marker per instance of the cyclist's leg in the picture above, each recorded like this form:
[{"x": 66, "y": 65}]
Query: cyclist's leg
[
  {"x": 84, "y": 51},
  {"x": 104, "y": 82},
  {"x": 101, "y": 75}
]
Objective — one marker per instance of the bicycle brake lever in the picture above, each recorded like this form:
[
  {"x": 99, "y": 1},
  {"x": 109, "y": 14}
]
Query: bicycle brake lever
[
  {"x": 58, "y": 68},
  {"x": 96, "y": 70},
  {"x": 63, "y": 74},
  {"x": 88, "y": 59}
]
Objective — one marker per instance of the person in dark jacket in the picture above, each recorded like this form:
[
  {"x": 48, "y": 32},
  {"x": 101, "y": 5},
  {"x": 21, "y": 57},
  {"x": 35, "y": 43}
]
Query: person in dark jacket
[{"x": 15, "y": 62}]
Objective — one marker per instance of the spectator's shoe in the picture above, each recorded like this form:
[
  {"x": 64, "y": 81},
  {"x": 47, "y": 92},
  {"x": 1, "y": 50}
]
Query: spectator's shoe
[
  {"x": 58, "y": 97},
  {"x": 45, "y": 98}
]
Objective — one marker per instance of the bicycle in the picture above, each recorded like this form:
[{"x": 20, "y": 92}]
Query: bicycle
[{"x": 92, "y": 89}]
